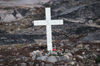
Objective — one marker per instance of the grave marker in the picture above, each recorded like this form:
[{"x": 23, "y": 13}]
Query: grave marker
[{"x": 48, "y": 22}]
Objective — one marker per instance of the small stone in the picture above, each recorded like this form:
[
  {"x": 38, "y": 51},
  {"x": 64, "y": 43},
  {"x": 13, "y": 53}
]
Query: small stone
[
  {"x": 1, "y": 56},
  {"x": 80, "y": 57},
  {"x": 19, "y": 16},
  {"x": 88, "y": 56},
  {"x": 66, "y": 50},
  {"x": 80, "y": 46},
  {"x": 31, "y": 63},
  {"x": 30, "y": 45},
  {"x": 43, "y": 64},
  {"x": 18, "y": 28},
  {"x": 83, "y": 53},
  {"x": 72, "y": 62},
  {"x": 1, "y": 60},
  {"x": 61, "y": 63},
  {"x": 77, "y": 65},
  {"x": 42, "y": 58},
  {"x": 6, "y": 24},
  {"x": 59, "y": 51},
  {"x": 15, "y": 23},
  {"x": 90, "y": 21},
  {"x": 3, "y": 38},
  {"x": 86, "y": 47},
  {"x": 23, "y": 64},
  {"x": 37, "y": 64},
  {"x": 48, "y": 64},
  {"x": 67, "y": 56},
  {"x": 9, "y": 48},
  {"x": 65, "y": 64},
  {"x": 9, "y": 18},
  {"x": 54, "y": 53},
  {"x": 1, "y": 64},
  {"x": 18, "y": 59},
  {"x": 74, "y": 59},
  {"x": 52, "y": 59},
  {"x": 24, "y": 40},
  {"x": 98, "y": 49},
  {"x": 75, "y": 50},
  {"x": 62, "y": 58},
  {"x": 98, "y": 64},
  {"x": 15, "y": 65},
  {"x": 34, "y": 57},
  {"x": 25, "y": 59},
  {"x": 35, "y": 54}
]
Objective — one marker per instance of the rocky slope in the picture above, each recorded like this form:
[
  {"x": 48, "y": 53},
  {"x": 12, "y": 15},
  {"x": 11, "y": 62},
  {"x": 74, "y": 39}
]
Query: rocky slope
[
  {"x": 81, "y": 18},
  {"x": 78, "y": 39}
]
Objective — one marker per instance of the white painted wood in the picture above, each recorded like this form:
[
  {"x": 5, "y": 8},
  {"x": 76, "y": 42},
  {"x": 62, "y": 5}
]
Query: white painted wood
[{"x": 48, "y": 22}]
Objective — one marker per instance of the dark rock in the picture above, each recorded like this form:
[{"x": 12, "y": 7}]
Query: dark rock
[
  {"x": 1, "y": 60},
  {"x": 31, "y": 63}
]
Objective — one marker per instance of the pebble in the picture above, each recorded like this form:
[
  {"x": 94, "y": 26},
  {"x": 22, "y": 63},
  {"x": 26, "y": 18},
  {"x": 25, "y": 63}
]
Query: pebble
[
  {"x": 37, "y": 65},
  {"x": 86, "y": 47},
  {"x": 75, "y": 50},
  {"x": 98, "y": 64},
  {"x": 43, "y": 64},
  {"x": 23, "y": 64},
  {"x": 18, "y": 59},
  {"x": 19, "y": 16},
  {"x": 1, "y": 56},
  {"x": 80, "y": 46},
  {"x": 83, "y": 53},
  {"x": 62, "y": 58},
  {"x": 98, "y": 49},
  {"x": 74, "y": 59},
  {"x": 48, "y": 64},
  {"x": 72, "y": 62},
  {"x": 42, "y": 58},
  {"x": 15, "y": 65},
  {"x": 34, "y": 57},
  {"x": 34, "y": 54},
  {"x": 1, "y": 60},
  {"x": 52, "y": 59},
  {"x": 81, "y": 57},
  {"x": 1, "y": 64},
  {"x": 25, "y": 59},
  {"x": 18, "y": 28},
  {"x": 31, "y": 63},
  {"x": 66, "y": 50},
  {"x": 3, "y": 38},
  {"x": 67, "y": 56}
]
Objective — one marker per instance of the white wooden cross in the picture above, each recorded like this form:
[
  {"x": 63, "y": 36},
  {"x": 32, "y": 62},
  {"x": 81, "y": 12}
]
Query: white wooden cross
[{"x": 48, "y": 22}]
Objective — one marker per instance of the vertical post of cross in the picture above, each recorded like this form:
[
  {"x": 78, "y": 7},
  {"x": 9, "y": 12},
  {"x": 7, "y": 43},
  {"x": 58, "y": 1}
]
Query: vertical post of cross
[
  {"x": 48, "y": 28},
  {"x": 48, "y": 22}
]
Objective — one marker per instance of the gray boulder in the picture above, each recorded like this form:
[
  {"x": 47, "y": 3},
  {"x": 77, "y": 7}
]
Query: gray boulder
[
  {"x": 52, "y": 59},
  {"x": 42, "y": 58},
  {"x": 7, "y": 17}
]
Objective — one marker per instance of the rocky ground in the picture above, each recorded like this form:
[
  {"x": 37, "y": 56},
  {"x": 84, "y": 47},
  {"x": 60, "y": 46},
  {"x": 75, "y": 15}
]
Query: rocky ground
[
  {"x": 82, "y": 54},
  {"x": 77, "y": 42}
]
